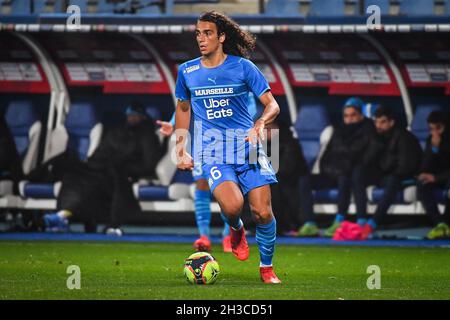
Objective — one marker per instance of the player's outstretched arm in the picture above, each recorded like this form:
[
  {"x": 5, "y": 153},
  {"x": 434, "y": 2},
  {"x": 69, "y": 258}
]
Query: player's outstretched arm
[
  {"x": 271, "y": 111},
  {"x": 182, "y": 120}
]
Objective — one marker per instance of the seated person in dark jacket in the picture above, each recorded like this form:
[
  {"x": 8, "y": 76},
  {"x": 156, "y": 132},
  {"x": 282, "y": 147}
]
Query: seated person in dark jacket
[
  {"x": 101, "y": 188},
  {"x": 399, "y": 158},
  {"x": 10, "y": 163},
  {"x": 435, "y": 174},
  {"x": 292, "y": 164},
  {"x": 344, "y": 164}
]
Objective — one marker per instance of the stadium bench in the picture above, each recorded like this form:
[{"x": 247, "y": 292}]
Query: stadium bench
[
  {"x": 81, "y": 133},
  {"x": 25, "y": 127}
]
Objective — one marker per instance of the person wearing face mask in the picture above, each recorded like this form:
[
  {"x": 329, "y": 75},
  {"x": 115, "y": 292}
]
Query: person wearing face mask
[
  {"x": 435, "y": 174},
  {"x": 345, "y": 163},
  {"x": 399, "y": 159},
  {"x": 101, "y": 188}
]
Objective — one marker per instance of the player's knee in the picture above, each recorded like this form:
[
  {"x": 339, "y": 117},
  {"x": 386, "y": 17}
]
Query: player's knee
[
  {"x": 232, "y": 207},
  {"x": 202, "y": 184},
  {"x": 262, "y": 215}
]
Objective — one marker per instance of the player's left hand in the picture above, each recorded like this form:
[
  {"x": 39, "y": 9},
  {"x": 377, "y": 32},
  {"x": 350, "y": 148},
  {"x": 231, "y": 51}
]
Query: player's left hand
[{"x": 256, "y": 133}]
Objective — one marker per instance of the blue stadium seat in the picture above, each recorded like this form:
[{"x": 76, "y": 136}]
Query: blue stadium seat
[
  {"x": 377, "y": 195},
  {"x": 195, "y": 1},
  {"x": 86, "y": 6},
  {"x": 81, "y": 133},
  {"x": 419, "y": 125},
  {"x": 25, "y": 127},
  {"x": 369, "y": 109},
  {"x": 311, "y": 122},
  {"x": 153, "y": 193},
  {"x": 417, "y": 7},
  {"x": 326, "y": 196},
  {"x": 446, "y": 7},
  {"x": 183, "y": 177},
  {"x": 442, "y": 195},
  {"x": 282, "y": 7},
  {"x": 49, "y": 6},
  {"x": 335, "y": 8},
  {"x": 110, "y": 7},
  {"x": 17, "y": 7},
  {"x": 105, "y": 6},
  {"x": 84, "y": 129},
  {"x": 384, "y": 5},
  {"x": 130, "y": 6},
  {"x": 148, "y": 7},
  {"x": 405, "y": 196},
  {"x": 39, "y": 190},
  {"x": 178, "y": 188},
  {"x": 24, "y": 123}
]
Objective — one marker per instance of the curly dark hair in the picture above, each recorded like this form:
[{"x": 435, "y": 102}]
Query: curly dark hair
[{"x": 237, "y": 41}]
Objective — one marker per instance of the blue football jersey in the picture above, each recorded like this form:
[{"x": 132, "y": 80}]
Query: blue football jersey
[{"x": 219, "y": 98}]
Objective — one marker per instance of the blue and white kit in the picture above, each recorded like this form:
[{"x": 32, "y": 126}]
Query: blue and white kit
[{"x": 219, "y": 97}]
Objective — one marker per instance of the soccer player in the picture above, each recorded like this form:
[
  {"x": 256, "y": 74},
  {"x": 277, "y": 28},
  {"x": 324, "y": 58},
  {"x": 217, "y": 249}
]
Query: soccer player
[
  {"x": 216, "y": 86},
  {"x": 202, "y": 197}
]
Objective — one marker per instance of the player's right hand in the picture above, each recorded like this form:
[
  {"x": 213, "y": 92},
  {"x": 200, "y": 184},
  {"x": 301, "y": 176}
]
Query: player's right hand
[
  {"x": 185, "y": 161},
  {"x": 166, "y": 128}
]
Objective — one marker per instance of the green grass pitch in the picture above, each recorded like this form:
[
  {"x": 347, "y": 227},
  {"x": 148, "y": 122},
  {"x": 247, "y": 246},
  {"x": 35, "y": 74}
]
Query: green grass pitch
[{"x": 37, "y": 270}]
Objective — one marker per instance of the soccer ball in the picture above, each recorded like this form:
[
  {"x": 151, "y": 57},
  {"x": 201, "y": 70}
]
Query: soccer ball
[{"x": 201, "y": 268}]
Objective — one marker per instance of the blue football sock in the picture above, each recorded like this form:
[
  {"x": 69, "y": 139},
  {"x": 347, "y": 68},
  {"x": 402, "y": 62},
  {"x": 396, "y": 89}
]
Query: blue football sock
[
  {"x": 265, "y": 238},
  {"x": 203, "y": 211},
  {"x": 235, "y": 222},
  {"x": 226, "y": 230}
]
